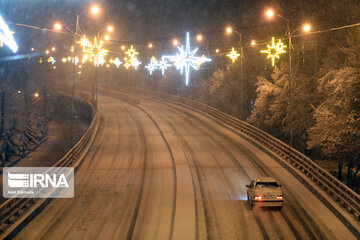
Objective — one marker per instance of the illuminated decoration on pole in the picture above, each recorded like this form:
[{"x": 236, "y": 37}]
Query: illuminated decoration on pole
[
  {"x": 6, "y": 36},
  {"x": 131, "y": 59},
  {"x": 274, "y": 50},
  {"x": 152, "y": 66},
  {"x": 84, "y": 42},
  {"x": 96, "y": 53},
  {"x": 135, "y": 63},
  {"x": 186, "y": 59},
  {"x": 163, "y": 65},
  {"x": 40, "y": 61},
  {"x": 116, "y": 62},
  {"x": 233, "y": 55},
  {"x": 51, "y": 60}
]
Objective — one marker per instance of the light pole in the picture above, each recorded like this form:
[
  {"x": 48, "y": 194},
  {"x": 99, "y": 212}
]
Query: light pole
[
  {"x": 270, "y": 14},
  {"x": 57, "y": 26},
  {"x": 229, "y": 30}
]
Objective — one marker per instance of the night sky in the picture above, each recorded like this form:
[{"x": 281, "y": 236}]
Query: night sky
[{"x": 159, "y": 21}]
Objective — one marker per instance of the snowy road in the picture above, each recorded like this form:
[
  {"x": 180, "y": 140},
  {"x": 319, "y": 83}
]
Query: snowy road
[{"x": 159, "y": 171}]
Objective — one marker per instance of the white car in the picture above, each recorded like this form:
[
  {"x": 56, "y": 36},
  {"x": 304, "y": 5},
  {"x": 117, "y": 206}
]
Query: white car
[{"x": 265, "y": 192}]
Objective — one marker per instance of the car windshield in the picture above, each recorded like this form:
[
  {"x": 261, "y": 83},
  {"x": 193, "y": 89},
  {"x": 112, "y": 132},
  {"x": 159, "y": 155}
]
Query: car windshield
[{"x": 267, "y": 184}]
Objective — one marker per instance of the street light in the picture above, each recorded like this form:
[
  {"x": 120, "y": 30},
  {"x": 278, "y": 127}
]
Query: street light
[
  {"x": 199, "y": 37},
  {"x": 110, "y": 28},
  {"x": 150, "y": 45},
  {"x": 94, "y": 10},
  {"x": 53, "y": 49},
  {"x": 57, "y": 26},
  {"x": 175, "y": 42},
  {"x": 229, "y": 30},
  {"x": 270, "y": 14},
  {"x": 253, "y": 43},
  {"x": 307, "y": 27},
  {"x": 107, "y": 37}
]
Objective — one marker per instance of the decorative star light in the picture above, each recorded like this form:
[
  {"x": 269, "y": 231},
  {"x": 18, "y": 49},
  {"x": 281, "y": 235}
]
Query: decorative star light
[
  {"x": 84, "y": 42},
  {"x": 274, "y": 50},
  {"x": 116, "y": 62},
  {"x": 96, "y": 53},
  {"x": 131, "y": 59},
  {"x": 40, "y": 61},
  {"x": 163, "y": 65},
  {"x": 135, "y": 63},
  {"x": 69, "y": 59},
  {"x": 152, "y": 66},
  {"x": 51, "y": 60},
  {"x": 186, "y": 59},
  {"x": 6, "y": 36},
  {"x": 131, "y": 52},
  {"x": 233, "y": 55},
  {"x": 127, "y": 64},
  {"x": 64, "y": 60}
]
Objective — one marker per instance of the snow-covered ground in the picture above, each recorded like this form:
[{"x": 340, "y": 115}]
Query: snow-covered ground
[{"x": 159, "y": 171}]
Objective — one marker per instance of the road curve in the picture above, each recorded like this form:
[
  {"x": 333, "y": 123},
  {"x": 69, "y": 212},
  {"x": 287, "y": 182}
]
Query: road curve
[{"x": 160, "y": 171}]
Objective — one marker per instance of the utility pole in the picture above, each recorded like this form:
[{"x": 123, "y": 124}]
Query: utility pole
[
  {"x": 242, "y": 78},
  {"x": 290, "y": 82}
]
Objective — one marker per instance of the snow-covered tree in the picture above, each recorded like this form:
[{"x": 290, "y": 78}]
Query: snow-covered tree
[
  {"x": 272, "y": 106},
  {"x": 337, "y": 129}
]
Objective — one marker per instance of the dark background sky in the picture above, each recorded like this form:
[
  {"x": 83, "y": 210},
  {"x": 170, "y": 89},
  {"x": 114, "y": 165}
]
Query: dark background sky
[{"x": 150, "y": 20}]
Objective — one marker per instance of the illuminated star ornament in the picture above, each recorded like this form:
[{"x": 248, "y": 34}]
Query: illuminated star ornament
[
  {"x": 152, "y": 66},
  {"x": 51, "y": 60},
  {"x": 274, "y": 50},
  {"x": 116, "y": 62},
  {"x": 186, "y": 59},
  {"x": 163, "y": 65},
  {"x": 131, "y": 59},
  {"x": 233, "y": 55},
  {"x": 6, "y": 36},
  {"x": 96, "y": 53}
]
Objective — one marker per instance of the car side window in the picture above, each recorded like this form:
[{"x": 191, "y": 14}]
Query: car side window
[{"x": 252, "y": 184}]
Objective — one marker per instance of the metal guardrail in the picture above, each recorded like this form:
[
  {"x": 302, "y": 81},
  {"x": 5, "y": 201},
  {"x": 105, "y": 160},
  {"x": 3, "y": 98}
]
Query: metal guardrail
[
  {"x": 339, "y": 191},
  {"x": 13, "y": 210}
]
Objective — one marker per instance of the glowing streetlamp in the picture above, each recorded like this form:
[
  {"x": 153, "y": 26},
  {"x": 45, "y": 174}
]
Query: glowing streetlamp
[
  {"x": 110, "y": 28},
  {"x": 253, "y": 43},
  {"x": 150, "y": 45},
  {"x": 57, "y": 26},
  {"x": 269, "y": 13},
  {"x": 53, "y": 49},
  {"x": 36, "y": 95},
  {"x": 307, "y": 27},
  {"x": 94, "y": 10},
  {"x": 229, "y": 30},
  {"x": 107, "y": 37},
  {"x": 199, "y": 37},
  {"x": 175, "y": 42}
]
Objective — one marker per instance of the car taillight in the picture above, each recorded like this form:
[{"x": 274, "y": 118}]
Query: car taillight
[
  {"x": 258, "y": 197},
  {"x": 280, "y": 197}
]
